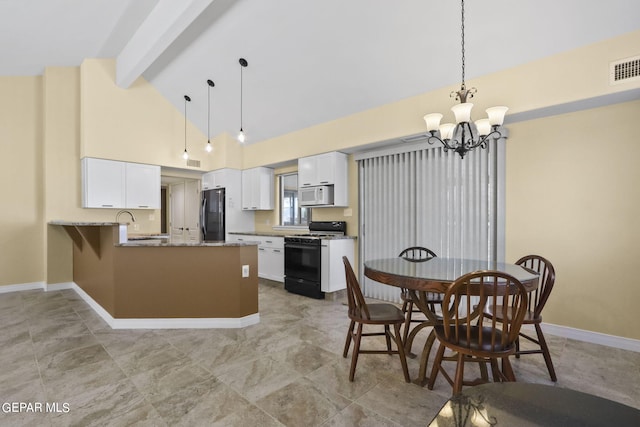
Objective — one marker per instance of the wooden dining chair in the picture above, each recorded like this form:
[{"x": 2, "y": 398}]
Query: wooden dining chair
[
  {"x": 383, "y": 314},
  {"x": 465, "y": 332},
  {"x": 416, "y": 254},
  {"x": 537, "y": 300}
]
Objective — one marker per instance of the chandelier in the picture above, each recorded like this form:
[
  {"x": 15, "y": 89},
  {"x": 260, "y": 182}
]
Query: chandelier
[{"x": 464, "y": 135}]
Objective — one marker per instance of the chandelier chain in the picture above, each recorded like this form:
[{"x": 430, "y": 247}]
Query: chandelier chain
[{"x": 462, "y": 43}]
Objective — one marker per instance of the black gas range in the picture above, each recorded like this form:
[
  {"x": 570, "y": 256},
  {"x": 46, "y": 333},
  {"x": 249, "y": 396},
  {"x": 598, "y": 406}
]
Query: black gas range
[{"x": 303, "y": 257}]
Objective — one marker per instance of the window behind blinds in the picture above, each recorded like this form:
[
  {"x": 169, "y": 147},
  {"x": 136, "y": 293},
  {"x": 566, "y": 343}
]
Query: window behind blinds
[{"x": 420, "y": 196}]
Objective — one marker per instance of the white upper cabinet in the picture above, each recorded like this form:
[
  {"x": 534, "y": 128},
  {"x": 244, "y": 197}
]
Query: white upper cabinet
[
  {"x": 142, "y": 186},
  {"x": 103, "y": 183},
  {"x": 326, "y": 169},
  {"x": 114, "y": 184},
  {"x": 257, "y": 189},
  {"x": 323, "y": 169},
  {"x": 216, "y": 179}
]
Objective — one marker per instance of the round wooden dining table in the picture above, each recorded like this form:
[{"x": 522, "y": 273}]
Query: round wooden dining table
[{"x": 435, "y": 275}]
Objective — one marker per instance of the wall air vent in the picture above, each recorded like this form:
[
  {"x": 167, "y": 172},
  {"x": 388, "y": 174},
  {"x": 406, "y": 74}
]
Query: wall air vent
[
  {"x": 624, "y": 71},
  {"x": 193, "y": 163}
]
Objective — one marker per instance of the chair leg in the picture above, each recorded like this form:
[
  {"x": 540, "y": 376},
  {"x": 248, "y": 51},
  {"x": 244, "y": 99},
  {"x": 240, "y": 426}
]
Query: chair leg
[
  {"x": 407, "y": 322},
  {"x": 518, "y": 347},
  {"x": 507, "y": 370},
  {"x": 436, "y": 367},
  {"x": 457, "y": 384},
  {"x": 546, "y": 353},
  {"x": 348, "y": 342},
  {"x": 356, "y": 351},
  {"x": 484, "y": 373},
  {"x": 401, "y": 353},
  {"x": 387, "y": 337},
  {"x": 495, "y": 371},
  {"x": 424, "y": 359}
]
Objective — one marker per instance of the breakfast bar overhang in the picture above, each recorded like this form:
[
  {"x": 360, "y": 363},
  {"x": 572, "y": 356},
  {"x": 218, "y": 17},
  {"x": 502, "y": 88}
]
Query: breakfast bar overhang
[{"x": 163, "y": 285}]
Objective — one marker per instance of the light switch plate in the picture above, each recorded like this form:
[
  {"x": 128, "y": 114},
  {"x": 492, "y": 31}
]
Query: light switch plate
[{"x": 245, "y": 271}]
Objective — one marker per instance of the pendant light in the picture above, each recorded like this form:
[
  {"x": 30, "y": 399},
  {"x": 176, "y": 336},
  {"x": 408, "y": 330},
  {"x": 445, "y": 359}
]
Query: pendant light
[
  {"x": 209, "y": 147},
  {"x": 241, "y": 137},
  {"x": 464, "y": 135},
  {"x": 185, "y": 155}
]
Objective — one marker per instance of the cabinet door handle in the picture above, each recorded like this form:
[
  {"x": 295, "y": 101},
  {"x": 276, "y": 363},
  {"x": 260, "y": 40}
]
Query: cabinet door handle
[
  {"x": 268, "y": 241},
  {"x": 306, "y": 183},
  {"x": 261, "y": 249},
  {"x": 107, "y": 206},
  {"x": 324, "y": 182},
  {"x": 276, "y": 250},
  {"x": 143, "y": 206}
]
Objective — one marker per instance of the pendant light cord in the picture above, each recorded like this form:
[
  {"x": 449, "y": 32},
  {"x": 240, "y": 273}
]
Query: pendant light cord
[{"x": 241, "y": 96}]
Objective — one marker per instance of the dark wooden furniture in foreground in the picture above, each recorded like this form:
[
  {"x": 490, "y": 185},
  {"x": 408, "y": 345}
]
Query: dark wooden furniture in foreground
[
  {"x": 382, "y": 314},
  {"x": 471, "y": 338},
  {"x": 435, "y": 275},
  {"x": 416, "y": 254},
  {"x": 537, "y": 300},
  {"x": 531, "y": 405}
]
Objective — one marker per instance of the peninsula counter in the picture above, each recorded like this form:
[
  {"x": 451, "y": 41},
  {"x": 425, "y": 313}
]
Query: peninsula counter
[{"x": 163, "y": 284}]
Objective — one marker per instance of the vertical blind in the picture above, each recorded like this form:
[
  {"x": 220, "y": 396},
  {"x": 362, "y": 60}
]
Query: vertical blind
[{"x": 427, "y": 197}]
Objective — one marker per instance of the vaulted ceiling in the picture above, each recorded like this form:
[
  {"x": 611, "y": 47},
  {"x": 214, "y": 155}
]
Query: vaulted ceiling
[{"x": 310, "y": 61}]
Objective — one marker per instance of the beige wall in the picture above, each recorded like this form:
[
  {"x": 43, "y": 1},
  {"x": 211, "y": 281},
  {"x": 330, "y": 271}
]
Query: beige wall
[
  {"x": 579, "y": 161},
  {"x": 21, "y": 214},
  {"x": 573, "y": 197}
]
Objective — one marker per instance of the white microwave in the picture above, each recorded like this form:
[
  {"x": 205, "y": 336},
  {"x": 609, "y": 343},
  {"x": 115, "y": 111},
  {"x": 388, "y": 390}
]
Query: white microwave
[{"x": 315, "y": 196}]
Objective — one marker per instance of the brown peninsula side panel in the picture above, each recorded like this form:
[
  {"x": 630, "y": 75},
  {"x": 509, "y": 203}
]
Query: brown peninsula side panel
[
  {"x": 92, "y": 268},
  {"x": 185, "y": 281}
]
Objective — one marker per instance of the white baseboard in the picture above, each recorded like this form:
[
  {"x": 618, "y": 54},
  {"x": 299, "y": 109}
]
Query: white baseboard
[
  {"x": 213, "y": 323},
  {"x": 21, "y": 287},
  {"x": 169, "y": 323},
  {"x": 588, "y": 336}
]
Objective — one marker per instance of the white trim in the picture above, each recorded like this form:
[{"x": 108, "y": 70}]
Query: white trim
[
  {"x": 170, "y": 323},
  {"x": 21, "y": 287},
  {"x": 551, "y": 329},
  {"x": 196, "y": 323},
  {"x": 59, "y": 286},
  {"x": 588, "y": 336}
]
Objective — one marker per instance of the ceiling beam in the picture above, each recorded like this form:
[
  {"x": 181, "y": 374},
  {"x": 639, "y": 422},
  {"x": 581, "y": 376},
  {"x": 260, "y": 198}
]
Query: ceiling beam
[{"x": 162, "y": 27}]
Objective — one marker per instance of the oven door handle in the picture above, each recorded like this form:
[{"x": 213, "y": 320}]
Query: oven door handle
[{"x": 299, "y": 246}]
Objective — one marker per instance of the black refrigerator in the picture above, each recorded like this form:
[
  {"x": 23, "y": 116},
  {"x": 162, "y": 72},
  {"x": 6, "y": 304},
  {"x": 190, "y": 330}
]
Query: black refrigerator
[{"x": 212, "y": 215}]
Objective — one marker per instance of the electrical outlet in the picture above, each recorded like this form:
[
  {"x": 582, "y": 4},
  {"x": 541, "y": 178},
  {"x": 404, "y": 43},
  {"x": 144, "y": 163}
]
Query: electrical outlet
[
  {"x": 245, "y": 271},
  {"x": 152, "y": 217},
  {"x": 136, "y": 227},
  {"x": 348, "y": 212}
]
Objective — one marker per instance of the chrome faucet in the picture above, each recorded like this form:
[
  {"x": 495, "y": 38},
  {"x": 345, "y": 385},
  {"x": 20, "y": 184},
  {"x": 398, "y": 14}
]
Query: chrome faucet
[{"x": 133, "y": 218}]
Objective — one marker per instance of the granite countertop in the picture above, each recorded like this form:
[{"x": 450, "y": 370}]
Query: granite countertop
[
  {"x": 264, "y": 233},
  {"x": 85, "y": 223},
  {"x": 169, "y": 243},
  {"x": 285, "y": 234}
]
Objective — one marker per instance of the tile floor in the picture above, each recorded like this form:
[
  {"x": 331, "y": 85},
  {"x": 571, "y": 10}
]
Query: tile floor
[{"x": 287, "y": 370}]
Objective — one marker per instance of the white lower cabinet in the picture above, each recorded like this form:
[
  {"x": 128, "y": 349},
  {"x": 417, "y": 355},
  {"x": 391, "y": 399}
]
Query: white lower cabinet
[
  {"x": 332, "y": 277},
  {"x": 270, "y": 254},
  {"x": 271, "y": 258}
]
